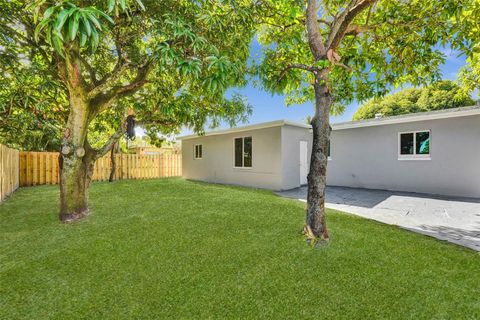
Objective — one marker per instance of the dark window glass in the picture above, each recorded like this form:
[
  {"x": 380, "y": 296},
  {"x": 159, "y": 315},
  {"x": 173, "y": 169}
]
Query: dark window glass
[
  {"x": 198, "y": 151},
  {"x": 328, "y": 149},
  {"x": 423, "y": 142},
  {"x": 247, "y": 152},
  {"x": 238, "y": 152},
  {"x": 406, "y": 143}
]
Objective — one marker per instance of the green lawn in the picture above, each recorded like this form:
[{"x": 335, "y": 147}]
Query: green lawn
[{"x": 179, "y": 249}]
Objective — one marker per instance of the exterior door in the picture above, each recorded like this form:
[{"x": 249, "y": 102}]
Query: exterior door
[{"x": 303, "y": 162}]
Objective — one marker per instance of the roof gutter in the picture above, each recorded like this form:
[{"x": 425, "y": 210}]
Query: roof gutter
[
  {"x": 405, "y": 119},
  {"x": 264, "y": 125}
]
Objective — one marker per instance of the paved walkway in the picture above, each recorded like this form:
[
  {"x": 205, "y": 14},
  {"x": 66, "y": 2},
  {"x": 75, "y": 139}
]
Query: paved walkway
[{"x": 453, "y": 219}]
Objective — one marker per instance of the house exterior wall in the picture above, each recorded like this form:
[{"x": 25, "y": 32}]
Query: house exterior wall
[
  {"x": 291, "y": 137},
  {"x": 217, "y": 163},
  {"x": 367, "y": 157}
]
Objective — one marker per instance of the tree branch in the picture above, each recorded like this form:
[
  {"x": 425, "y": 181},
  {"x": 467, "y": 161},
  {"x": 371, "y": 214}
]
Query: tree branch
[
  {"x": 108, "y": 81},
  {"x": 104, "y": 100},
  {"x": 354, "y": 29},
  {"x": 297, "y": 66},
  {"x": 107, "y": 87},
  {"x": 113, "y": 139},
  {"x": 156, "y": 123},
  {"x": 315, "y": 39},
  {"x": 344, "y": 66},
  {"x": 342, "y": 22},
  {"x": 90, "y": 70}
]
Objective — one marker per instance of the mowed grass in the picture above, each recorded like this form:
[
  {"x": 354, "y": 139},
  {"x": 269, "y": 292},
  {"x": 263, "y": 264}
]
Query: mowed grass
[{"x": 180, "y": 249}]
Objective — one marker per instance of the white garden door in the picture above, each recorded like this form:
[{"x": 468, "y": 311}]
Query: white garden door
[{"x": 303, "y": 162}]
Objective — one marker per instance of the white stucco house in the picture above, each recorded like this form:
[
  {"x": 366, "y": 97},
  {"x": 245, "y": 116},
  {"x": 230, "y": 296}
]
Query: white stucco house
[{"x": 433, "y": 152}]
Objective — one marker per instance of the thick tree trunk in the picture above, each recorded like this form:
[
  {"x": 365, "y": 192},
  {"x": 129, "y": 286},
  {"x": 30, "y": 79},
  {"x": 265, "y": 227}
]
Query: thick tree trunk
[
  {"x": 77, "y": 157},
  {"x": 77, "y": 161},
  {"x": 75, "y": 180},
  {"x": 315, "y": 224}
]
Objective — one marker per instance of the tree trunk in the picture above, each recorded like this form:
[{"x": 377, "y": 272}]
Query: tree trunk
[
  {"x": 77, "y": 161},
  {"x": 77, "y": 157},
  {"x": 114, "y": 163},
  {"x": 315, "y": 225}
]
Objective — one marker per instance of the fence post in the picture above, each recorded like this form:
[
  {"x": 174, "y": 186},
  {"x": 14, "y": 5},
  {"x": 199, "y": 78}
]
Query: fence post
[{"x": 9, "y": 171}]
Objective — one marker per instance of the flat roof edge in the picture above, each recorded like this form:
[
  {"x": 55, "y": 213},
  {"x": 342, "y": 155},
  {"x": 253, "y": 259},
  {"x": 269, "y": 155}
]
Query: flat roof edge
[
  {"x": 257, "y": 126},
  {"x": 413, "y": 117}
]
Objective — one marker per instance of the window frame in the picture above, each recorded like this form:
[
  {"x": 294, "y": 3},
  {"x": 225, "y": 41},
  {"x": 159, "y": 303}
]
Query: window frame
[
  {"x": 195, "y": 151},
  {"x": 414, "y": 156},
  {"x": 243, "y": 152}
]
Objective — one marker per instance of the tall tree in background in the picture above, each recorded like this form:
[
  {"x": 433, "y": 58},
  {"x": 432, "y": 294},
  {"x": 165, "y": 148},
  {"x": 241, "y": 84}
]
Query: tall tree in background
[
  {"x": 333, "y": 52},
  {"x": 467, "y": 40},
  {"x": 438, "y": 96},
  {"x": 171, "y": 61}
]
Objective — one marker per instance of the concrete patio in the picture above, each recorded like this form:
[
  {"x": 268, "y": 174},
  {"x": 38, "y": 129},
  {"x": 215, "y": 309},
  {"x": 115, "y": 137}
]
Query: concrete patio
[{"x": 456, "y": 220}]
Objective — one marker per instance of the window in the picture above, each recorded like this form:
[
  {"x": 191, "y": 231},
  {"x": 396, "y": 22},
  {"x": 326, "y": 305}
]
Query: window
[
  {"x": 197, "y": 151},
  {"x": 243, "y": 152},
  {"x": 414, "y": 145}
]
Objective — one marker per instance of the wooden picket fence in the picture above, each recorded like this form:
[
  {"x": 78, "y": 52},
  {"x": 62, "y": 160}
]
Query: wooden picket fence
[
  {"x": 37, "y": 168},
  {"x": 9, "y": 175}
]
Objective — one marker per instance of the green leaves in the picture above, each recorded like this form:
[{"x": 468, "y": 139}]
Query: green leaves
[
  {"x": 393, "y": 43},
  {"x": 62, "y": 23},
  {"x": 126, "y": 6},
  {"x": 73, "y": 27},
  {"x": 180, "y": 57},
  {"x": 440, "y": 95}
]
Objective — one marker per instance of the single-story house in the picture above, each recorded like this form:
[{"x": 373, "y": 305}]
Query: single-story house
[{"x": 434, "y": 152}]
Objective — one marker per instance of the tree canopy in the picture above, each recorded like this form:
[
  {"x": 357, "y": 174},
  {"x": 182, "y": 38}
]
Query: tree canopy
[
  {"x": 440, "y": 95},
  {"x": 171, "y": 61},
  {"x": 389, "y": 44}
]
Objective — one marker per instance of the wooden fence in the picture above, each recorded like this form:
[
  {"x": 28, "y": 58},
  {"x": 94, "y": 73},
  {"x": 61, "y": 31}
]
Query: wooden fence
[
  {"x": 9, "y": 175},
  {"x": 38, "y": 168}
]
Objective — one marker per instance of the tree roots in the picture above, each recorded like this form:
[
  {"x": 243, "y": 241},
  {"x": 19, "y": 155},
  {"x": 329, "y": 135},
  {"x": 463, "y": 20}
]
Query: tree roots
[
  {"x": 313, "y": 240},
  {"x": 73, "y": 217}
]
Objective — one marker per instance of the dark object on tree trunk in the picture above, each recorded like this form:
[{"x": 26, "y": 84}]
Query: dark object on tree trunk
[{"x": 131, "y": 127}]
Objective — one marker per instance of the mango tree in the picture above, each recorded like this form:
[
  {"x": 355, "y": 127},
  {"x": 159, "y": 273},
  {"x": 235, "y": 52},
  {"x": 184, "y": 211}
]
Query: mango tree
[
  {"x": 171, "y": 61},
  {"x": 333, "y": 52}
]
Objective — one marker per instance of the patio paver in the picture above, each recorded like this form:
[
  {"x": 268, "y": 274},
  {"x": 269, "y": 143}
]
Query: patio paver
[{"x": 453, "y": 219}]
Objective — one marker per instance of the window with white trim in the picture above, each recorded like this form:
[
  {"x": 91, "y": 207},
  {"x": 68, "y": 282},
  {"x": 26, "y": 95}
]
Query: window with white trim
[
  {"x": 242, "y": 152},
  {"x": 414, "y": 145},
  {"x": 197, "y": 151}
]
